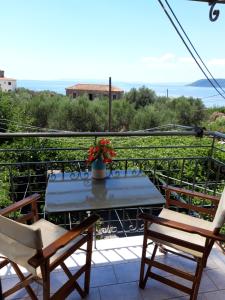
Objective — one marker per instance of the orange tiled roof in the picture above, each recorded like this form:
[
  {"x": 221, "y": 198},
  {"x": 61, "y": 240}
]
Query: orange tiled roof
[
  {"x": 93, "y": 88},
  {"x": 5, "y": 78}
]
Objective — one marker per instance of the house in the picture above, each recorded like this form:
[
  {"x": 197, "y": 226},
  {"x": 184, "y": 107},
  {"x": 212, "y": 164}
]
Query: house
[
  {"x": 6, "y": 84},
  {"x": 93, "y": 91}
]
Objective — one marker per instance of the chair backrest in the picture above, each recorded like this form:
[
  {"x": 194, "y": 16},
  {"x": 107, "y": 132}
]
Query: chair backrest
[
  {"x": 219, "y": 218},
  {"x": 20, "y": 233}
]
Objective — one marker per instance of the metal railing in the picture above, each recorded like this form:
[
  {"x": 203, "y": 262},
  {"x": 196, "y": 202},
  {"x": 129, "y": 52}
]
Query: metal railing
[{"x": 167, "y": 157}]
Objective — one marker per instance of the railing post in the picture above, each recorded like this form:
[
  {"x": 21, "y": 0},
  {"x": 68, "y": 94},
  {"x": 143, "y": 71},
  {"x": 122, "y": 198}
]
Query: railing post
[{"x": 212, "y": 148}]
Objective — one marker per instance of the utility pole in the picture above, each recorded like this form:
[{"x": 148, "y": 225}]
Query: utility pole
[
  {"x": 110, "y": 104},
  {"x": 167, "y": 93}
]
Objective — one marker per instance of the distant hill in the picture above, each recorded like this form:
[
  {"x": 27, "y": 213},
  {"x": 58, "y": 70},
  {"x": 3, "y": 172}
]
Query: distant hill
[{"x": 206, "y": 83}]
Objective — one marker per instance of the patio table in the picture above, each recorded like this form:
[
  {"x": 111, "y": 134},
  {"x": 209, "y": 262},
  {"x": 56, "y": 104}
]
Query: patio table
[{"x": 77, "y": 191}]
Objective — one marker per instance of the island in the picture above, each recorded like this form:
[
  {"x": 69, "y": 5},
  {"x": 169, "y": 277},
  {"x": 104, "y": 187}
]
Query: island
[{"x": 206, "y": 83}]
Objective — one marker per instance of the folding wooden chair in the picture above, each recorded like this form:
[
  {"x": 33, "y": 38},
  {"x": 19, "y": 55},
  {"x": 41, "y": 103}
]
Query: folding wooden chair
[
  {"x": 41, "y": 247},
  {"x": 185, "y": 235}
]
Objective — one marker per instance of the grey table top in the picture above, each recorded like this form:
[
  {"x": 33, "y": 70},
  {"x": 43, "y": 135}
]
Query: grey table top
[{"x": 79, "y": 192}]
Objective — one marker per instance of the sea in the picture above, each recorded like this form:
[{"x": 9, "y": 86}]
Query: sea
[{"x": 209, "y": 96}]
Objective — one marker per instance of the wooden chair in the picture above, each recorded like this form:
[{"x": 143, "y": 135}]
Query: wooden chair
[
  {"x": 41, "y": 247},
  {"x": 185, "y": 235}
]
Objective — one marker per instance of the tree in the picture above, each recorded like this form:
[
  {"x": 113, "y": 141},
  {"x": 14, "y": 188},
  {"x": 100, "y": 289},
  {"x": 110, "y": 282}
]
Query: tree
[
  {"x": 123, "y": 113},
  {"x": 189, "y": 111},
  {"x": 141, "y": 97},
  {"x": 145, "y": 118}
]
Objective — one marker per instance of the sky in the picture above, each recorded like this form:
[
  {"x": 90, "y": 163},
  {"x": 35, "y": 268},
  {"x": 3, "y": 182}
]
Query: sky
[{"x": 129, "y": 40}]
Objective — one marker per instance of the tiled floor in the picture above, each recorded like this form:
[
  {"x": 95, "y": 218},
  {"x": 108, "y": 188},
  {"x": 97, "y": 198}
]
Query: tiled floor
[{"x": 115, "y": 272}]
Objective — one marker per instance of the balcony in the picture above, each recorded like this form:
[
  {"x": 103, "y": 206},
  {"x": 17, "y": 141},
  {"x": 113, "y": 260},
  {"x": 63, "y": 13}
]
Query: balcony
[
  {"x": 115, "y": 274},
  {"x": 178, "y": 157}
]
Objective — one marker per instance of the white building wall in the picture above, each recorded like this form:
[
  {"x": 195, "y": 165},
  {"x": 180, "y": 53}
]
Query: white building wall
[{"x": 7, "y": 85}]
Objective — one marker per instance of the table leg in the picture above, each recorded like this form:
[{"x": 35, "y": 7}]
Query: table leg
[
  {"x": 70, "y": 223},
  {"x": 95, "y": 244}
]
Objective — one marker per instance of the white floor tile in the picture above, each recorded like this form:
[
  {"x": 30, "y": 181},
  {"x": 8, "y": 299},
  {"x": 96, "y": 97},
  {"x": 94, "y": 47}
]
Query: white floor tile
[
  {"x": 218, "y": 295},
  {"x": 93, "y": 295},
  {"x": 102, "y": 276},
  {"x": 125, "y": 291},
  {"x": 218, "y": 277},
  {"x": 127, "y": 272},
  {"x": 100, "y": 257},
  {"x": 158, "y": 291},
  {"x": 126, "y": 254},
  {"x": 137, "y": 251}
]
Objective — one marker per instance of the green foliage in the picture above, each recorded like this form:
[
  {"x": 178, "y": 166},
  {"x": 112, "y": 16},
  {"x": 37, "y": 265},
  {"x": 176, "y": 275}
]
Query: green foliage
[
  {"x": 139, "y": 109},
  {"x": 141, "y": 97},
  {"x": 188, "y": 111},
  {"x": 217, "y": 125},
  {"x": 4, "y": 190},
  {"x": 5, "y": 111},
  {"x": 123, "y": 113},
  {"x": 146, "y": 117}
]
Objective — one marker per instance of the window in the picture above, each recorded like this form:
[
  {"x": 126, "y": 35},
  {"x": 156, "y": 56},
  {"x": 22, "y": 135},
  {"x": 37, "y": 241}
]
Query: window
[
  {"x": 74, "y": 94},
  {"x": 9, "y": 83},
  {"x": 90, "y": 96},
  {"x": 114, "y": 97}
]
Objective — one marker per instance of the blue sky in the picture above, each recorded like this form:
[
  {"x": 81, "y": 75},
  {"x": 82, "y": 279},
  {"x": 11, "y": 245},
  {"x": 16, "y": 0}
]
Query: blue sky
[{"x": 130, "y": 40}]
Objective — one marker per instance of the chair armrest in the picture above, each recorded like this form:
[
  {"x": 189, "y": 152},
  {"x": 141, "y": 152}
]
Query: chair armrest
[
  {"x": 181, "y": 226},
  {"x": 15, "y": 206},
  {"x": 191, "y": 193},
  {"x": 62, "y": 241}
]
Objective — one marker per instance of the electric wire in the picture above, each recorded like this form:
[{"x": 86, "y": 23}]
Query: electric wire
[
  {"x": 212, "y": 96},
  {"x": 196, "y": 52},
  {"x": 175, "y": 27}
]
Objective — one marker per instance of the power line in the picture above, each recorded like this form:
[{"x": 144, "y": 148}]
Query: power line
[
  {"x": 189, "y": 50},
  {"x": 194, "y": 47},
  {"x": 212, "y": 96}
]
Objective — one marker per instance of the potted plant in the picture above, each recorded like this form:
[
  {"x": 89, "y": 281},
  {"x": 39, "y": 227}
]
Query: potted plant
[{"x": 100, "y": 154}]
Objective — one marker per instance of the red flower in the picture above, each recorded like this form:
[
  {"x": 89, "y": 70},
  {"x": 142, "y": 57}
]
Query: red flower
[
  {"x": 104, "y": 142},
  {"x": 102, "y": 148},
  {"x": 107, "y": 160}
]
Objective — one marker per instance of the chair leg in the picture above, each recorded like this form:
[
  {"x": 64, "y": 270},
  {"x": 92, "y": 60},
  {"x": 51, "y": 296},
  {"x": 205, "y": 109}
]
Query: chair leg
[
  {"x": 70, "y": 276},
  {"x": 144, "y": 249},
  {"x": 46, "y": 280},
  {"x": 143, "y": 279},
  {"x": 87, "y": 275},
  {"x": 22, "y": 278},
  {"x": 197, "y": 281}
]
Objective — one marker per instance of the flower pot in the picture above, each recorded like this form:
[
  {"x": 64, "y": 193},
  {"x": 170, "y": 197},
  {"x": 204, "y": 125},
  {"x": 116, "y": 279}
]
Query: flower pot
[{"x": 98, "y": 169}]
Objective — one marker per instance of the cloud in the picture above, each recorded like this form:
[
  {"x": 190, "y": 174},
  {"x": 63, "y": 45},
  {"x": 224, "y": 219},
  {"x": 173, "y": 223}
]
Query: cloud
[
  {"x": 185, "y": 59},
  {"x": 217, "y": 62},
  {"x": 171, "y": 67},
  {"x": 171, "y": 60},
  {"x": 167, "y": 60}
]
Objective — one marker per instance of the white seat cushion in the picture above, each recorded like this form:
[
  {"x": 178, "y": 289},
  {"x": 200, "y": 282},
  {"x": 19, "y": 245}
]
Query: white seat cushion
[
  {"x": 20, "y": 254},
  {"x": 182, "y": 235}
]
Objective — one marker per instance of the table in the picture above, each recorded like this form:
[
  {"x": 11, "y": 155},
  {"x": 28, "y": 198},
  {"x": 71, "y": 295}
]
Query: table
[{"x": 77, "y": 191}]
